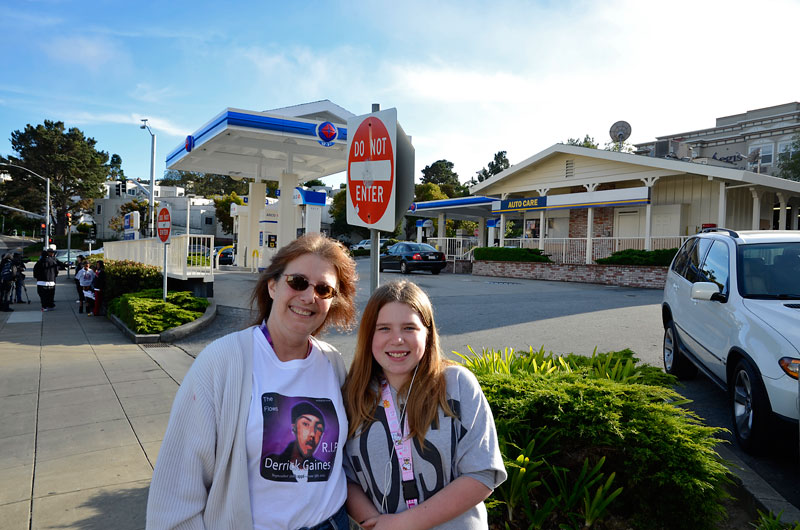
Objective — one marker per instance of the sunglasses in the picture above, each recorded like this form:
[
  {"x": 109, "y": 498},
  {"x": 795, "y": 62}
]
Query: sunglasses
[{"x": 300, "y": 283}]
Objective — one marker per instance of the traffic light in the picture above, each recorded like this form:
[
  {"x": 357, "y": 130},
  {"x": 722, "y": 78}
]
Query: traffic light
[
  {"x": 43, "y": 228},
  {"x": 69, "y": 219}
]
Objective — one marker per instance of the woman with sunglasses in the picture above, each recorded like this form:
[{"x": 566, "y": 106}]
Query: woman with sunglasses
[{"x": 258, "y": 426}]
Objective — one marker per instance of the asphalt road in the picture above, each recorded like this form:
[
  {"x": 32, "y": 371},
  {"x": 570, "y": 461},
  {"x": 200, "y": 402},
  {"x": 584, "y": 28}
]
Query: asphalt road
[{"x": 563, "y": 317}]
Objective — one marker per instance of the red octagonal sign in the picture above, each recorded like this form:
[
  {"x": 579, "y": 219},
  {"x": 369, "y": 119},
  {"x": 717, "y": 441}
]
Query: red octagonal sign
[
  {"x": 370, "y": 171},
  {"x": 164, "y": 224}
]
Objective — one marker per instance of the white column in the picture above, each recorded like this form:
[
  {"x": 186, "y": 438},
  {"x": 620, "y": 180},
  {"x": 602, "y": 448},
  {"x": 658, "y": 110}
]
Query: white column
[
  {"x": 542, "y": 193},
  {"x": 256, "y": 198},
  {"x": 541, "y": 229},
  {"x": 782, "y": 200},
  {"x": 419, "y": 234},
  {"x": 756, "y": 208},
  {"x": 794, "y": 214},
  {"x": 589, "y": 235},
  {"x": 287, "y": 211},
  {"x": 648, "y": 221},
  {"x": 502, "y": 229},
  {"x": 313, "y": 218},
  {"x": 188, "y": 217},
  {"x": 482, "y": 232},
  {"x": 722, "y": 208},
  {"x": 589, "y": 225}
]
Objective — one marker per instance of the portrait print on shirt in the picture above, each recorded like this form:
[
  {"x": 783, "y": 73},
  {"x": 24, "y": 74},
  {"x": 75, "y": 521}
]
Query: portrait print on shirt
[{"x": 301, "y": 435}]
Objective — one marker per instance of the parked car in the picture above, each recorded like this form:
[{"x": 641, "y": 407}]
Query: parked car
[
  {"x": 365, "y": 244},
  {"x": 226, "y": 257},
  {"x": 67, "y": 258},
  {"x": 407, "y": 257},
  {"x": 731, "y": 309}
]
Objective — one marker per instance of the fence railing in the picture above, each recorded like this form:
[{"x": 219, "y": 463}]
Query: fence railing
[
  {"x": 572, "y": 250},
  {"x": 454, "y": 247},
  {"x": 188, "y": 256}
]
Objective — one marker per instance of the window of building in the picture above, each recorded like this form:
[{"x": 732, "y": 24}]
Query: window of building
[
  {"x": 785, "y": 150},
  {"x": 767, "y": 150},
  {"x": 99, "y": 209},
  {"x": 209, "y": 220}
]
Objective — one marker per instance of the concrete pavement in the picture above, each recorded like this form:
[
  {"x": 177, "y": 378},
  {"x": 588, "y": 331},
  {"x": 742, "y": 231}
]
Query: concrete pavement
[{"x": 82, "y": 415}]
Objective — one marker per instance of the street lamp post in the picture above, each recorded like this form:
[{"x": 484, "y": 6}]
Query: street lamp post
[
  {"x": 152, "y": 175},
  {"x": 47, "y": 207}
]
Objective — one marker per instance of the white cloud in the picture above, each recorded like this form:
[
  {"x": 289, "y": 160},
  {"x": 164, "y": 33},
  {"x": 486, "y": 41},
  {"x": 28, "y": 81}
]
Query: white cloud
[
  {"x": 158, "y": 124},
  {"x": 150, "y": 94},
  {"x": 94, "y": 54}
]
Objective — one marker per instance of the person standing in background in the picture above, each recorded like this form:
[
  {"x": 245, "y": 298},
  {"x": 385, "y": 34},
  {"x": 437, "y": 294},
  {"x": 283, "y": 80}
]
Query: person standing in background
[
  {"x": 20, "y": 279},
  {"x": 98, "y": 286},
  {"x": 84, "y": 278},
  {"x": 45, "y": 271}
]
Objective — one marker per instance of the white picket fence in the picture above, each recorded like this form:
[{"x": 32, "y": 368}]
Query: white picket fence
[{"x": 571, "y": 250}]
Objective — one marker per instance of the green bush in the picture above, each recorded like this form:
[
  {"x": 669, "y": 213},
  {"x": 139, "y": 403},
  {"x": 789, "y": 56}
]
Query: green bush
[
  {"x": 658, "y": 258},
  {"x": 123, "y": 276},
  {"x": 581, "y": 411},
  {"x": 510, "y": 254},
  {"x": 145, "y": 311}
]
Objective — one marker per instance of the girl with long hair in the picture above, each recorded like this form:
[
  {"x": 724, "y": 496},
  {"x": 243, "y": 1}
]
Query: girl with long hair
[{"x": 422, "y": 446}]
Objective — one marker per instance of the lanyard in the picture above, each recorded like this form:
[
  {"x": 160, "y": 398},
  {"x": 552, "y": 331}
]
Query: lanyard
[
  {"x": 402, "y": 446},
  {"x": 267, "y": 336}
]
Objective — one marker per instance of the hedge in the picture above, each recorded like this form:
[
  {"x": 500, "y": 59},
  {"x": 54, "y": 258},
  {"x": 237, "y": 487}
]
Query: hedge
[
  {"x": 510, "y": 254},
  {"x": 146, "y": 312},
  {"x": 658, "y": 258}
]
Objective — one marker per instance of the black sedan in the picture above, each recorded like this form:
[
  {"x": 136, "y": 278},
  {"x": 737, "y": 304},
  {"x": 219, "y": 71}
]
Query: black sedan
[{"x": 407, "y": 257}]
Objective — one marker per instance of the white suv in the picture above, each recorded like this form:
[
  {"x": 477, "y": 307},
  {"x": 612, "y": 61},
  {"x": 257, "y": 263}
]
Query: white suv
[{"x": 732, "y": 309}]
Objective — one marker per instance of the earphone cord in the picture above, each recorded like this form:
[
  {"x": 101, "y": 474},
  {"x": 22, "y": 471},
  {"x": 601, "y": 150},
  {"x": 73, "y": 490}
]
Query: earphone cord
[{"x": 386, "y": 471}]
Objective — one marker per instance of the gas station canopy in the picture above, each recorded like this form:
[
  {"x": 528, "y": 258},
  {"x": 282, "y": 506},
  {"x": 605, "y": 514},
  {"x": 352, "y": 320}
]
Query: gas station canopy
[{"x": 307, "y": 140}]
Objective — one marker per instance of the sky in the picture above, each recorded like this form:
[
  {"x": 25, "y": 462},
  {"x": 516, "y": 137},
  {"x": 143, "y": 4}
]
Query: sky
[{"x": 468, "y": 78}]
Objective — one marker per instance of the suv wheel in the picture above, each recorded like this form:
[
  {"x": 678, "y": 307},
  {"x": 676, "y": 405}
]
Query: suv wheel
[
  {"x": 749, "y": 407},
  {"x": 675, "y": 362},
  {"x": 404, "y": 267}
]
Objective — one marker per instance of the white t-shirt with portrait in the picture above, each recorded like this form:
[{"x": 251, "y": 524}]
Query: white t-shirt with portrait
[{"x": 296, "y": 430}]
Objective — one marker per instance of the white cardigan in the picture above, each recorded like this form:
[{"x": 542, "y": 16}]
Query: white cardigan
[{"x": 200, "y": 479}]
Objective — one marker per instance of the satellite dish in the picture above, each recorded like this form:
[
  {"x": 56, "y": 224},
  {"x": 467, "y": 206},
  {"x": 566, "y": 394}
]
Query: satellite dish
[{"x": 620, "y": 131}]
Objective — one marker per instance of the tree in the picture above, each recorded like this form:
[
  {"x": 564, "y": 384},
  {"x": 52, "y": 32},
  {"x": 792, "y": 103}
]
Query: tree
[
  {"x": 116, "y": 223},
  {"x": 208, "y": 184},
  {"x": 587, "y": 141},
  {"x": 498, "y": 164},
  {"x": 223, "y": 208},
  {"x": 338, "y": 212},
  {"x": 115, "y": 168},
  {"x": 614, "y": 146},
  {"x": 314, "y": 182},
  {"x": 428, "y": 192},
  {"x": 789, "y": 162},
  {"x": 71, "y": 161},
  {"x": 441, "y": 173}
]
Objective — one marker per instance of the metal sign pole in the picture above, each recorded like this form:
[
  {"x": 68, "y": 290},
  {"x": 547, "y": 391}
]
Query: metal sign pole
[
  {"x": 374, "y": 259},
  {"x": 165, "y": 271}
]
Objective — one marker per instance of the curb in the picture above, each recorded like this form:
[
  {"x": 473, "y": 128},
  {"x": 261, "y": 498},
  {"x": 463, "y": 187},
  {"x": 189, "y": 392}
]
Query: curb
[
  {"x": 764, "y": 496},
  {"x": 170, "y": 334}
]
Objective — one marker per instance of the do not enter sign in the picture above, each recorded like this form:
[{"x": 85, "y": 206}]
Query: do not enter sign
[
  {"x": 164, "y": 224},
  {"x": 371, "y": 171}
]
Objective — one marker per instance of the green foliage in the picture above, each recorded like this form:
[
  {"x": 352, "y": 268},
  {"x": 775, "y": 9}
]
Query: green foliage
[
  {"x": 441, "y": 173},
  {"x": 145, "y": 312},
  {"x": 605, "y": 406},
  {"x": 587, "y": 141},
  {"x": 789, "y": 162},
  {"x": 657, "y": 258},
  {"x": 116, "y": 223},
  {"x": 123, "y": 276},
  {"x": 222, "y": 204},
  {"x": 498, "y": 164},
  {"x": 208, "y": 184},
  {"x": 72, "y": 162},
  {"x": 770, "y": 521},
  {"x": 510, "y": 254}
]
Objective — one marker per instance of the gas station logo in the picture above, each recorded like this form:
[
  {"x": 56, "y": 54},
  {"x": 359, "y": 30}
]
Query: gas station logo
[{"x": 327, "y": 133}]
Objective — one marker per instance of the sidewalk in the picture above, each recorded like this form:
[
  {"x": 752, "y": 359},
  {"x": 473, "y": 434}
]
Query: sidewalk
[{"x": 82, "y": 415}]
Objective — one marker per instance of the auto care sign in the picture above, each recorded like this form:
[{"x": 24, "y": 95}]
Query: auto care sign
[
  {"x": 164, "y": 224},
  {"x": 371, "y": 170}
]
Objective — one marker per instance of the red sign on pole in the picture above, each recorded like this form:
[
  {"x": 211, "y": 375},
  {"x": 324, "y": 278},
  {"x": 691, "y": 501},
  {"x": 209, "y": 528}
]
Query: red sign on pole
[
  {"x": 164, "y": 224},
  {"x": 371, "y": 171}
]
